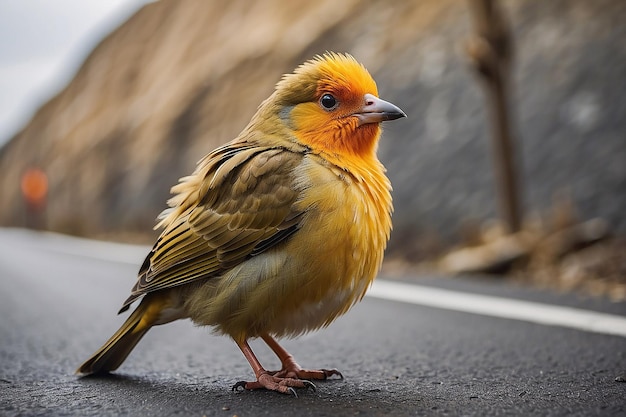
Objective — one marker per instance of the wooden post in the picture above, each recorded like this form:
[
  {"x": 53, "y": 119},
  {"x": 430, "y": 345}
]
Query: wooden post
[{"x": 490, "y": 51}]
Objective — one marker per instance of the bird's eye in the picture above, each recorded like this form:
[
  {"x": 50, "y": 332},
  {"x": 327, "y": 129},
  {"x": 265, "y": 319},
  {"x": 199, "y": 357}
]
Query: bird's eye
[{"x": 328, "y": 102}]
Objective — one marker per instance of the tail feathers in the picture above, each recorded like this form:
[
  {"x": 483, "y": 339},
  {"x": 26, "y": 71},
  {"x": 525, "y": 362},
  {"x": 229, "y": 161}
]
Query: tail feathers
[{"x": 111, "y": 355}]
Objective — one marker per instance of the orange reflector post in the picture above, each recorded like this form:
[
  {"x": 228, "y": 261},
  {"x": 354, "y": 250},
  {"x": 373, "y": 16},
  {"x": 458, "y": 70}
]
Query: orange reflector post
[{"x": 34, "y": 186}]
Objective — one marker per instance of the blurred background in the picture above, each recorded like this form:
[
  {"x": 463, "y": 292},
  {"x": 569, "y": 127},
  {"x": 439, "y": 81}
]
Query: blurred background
[{"x": 104, "y": 105}]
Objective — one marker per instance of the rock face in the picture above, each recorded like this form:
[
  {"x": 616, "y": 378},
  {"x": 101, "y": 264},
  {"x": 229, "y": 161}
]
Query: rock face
[{"x": 180, "y": 78}]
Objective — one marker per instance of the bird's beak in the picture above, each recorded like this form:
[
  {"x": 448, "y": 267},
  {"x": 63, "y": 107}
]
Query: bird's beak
[{"x": 376, "y": 110}]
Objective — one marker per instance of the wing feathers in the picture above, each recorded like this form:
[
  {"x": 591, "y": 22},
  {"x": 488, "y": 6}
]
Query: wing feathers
[{"x": 239, "y": 202}]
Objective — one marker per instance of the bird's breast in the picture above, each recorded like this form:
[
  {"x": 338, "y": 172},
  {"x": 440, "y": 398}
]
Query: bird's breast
[{"x": 339, "y": 248}]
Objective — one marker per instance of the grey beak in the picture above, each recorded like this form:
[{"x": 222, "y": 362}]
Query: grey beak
[{"x": 377, "y": 110}]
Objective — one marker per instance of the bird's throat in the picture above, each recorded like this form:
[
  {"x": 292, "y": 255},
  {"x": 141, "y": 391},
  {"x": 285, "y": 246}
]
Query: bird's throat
[{"x": 343, "y": 139}]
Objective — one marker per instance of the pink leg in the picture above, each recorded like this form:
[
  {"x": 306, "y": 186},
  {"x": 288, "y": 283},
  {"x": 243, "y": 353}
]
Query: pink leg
[
  {"x": 264, "y": 379},
  {"x": 290, "y": 367}
]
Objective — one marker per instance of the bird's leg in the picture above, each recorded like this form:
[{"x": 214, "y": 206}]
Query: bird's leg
[
  {"x": 291, "y": 369},
  {"x": 265, "y": 379}
]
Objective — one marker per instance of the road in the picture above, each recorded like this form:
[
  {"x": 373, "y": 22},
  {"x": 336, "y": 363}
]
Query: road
[{"x": 58, "y": 302}]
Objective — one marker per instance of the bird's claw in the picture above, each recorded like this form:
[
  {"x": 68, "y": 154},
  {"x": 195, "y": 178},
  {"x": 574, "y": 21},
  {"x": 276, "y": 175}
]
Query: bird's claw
[
  {"x": 330, "y": 372},
  {"x": 309, "y": 385},
  {"x": 240, "y": 384}
]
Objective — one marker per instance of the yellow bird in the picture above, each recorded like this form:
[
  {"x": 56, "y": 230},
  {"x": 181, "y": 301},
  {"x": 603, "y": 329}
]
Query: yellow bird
[{"x": 278, "y": 232}]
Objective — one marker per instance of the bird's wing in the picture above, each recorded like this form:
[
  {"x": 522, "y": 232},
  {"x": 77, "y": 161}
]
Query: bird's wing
[{"x": 237, "y": 204}]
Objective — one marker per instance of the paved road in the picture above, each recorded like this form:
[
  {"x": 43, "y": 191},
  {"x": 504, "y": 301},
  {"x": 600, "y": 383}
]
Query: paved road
[{"x": 58, "y": 304}]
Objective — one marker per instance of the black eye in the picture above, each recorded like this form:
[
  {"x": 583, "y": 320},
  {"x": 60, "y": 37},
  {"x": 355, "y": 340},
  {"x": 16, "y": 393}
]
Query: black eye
[{"x": 328, "y": 102}]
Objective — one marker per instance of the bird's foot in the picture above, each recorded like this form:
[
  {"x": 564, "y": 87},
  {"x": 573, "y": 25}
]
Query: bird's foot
[
  {"x": 284, "y": 385},
  {"x": 291, "y": 369},
  {"x": 315, "y": 374},
  {"x": 296, "y": 372}
]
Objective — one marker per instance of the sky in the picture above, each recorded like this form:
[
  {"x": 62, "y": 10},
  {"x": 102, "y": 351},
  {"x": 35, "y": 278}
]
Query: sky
[{"x": 42, "y": 45}]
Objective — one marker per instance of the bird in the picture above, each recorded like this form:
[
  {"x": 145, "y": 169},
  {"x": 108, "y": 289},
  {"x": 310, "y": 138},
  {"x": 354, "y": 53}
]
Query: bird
[{"x": 276, "y": 233}]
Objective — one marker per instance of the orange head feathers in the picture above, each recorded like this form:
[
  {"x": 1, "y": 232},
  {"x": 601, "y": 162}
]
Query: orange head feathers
[{"x": 331, "y": 103}]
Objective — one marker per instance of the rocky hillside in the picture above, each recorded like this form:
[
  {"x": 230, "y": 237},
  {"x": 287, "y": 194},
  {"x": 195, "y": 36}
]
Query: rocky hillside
[{"x": 181, "y": 77}]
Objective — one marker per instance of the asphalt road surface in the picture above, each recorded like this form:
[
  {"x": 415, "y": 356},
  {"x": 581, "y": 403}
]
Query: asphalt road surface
[{"x": 58, "y": 303}]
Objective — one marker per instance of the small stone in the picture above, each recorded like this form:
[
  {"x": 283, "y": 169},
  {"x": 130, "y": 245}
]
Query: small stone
[{"x": 620, "y": 378}]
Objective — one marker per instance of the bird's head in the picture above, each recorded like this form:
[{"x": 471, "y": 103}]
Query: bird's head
[{"x": 331, "y": 104}]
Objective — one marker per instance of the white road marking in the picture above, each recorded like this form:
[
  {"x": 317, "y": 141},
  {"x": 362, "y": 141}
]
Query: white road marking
[
  {"x": 507, "y": 308},
  {"x": 123, "y": 253}
]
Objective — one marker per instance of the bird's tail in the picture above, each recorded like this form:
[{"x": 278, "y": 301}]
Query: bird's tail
[{"x": 111, "y": 355}]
